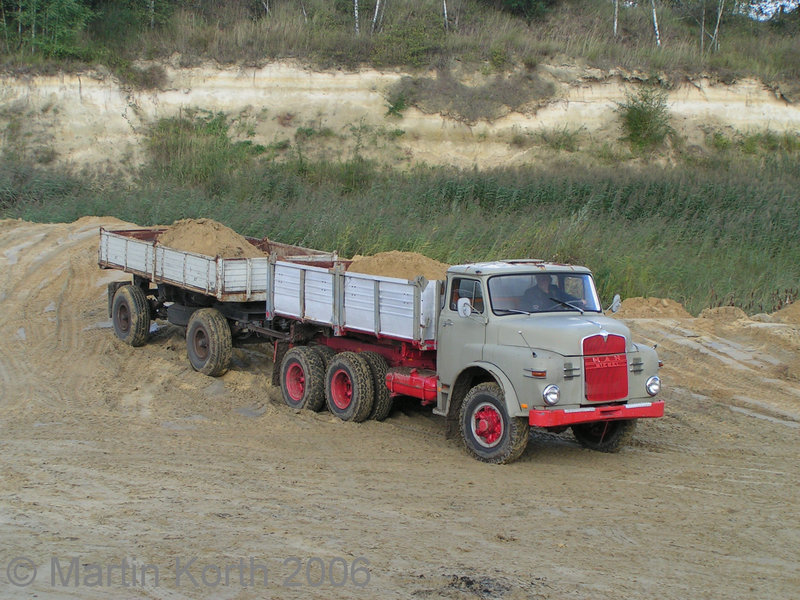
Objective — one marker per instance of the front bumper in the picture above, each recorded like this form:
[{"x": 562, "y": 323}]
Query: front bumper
[{"x": 589, "y": 414}]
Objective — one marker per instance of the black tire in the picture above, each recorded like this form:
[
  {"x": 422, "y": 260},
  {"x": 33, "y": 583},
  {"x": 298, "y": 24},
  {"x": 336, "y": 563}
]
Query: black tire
[
  {"x": 326, "y": 353},
  {"x": 303, "y": 379},
  {"x": 130, "y": 315},
  {"x": 348, "y": 387},
  {"x": 382, "y": 403},
  {"x": 605, "y": 436},
  {"x": 489, "y": 434},
  {"x": 208, "y": 342}
]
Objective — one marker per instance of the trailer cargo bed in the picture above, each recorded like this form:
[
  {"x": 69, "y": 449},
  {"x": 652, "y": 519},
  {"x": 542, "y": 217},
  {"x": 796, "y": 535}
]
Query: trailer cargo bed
[{"x": 293, "y": 282}]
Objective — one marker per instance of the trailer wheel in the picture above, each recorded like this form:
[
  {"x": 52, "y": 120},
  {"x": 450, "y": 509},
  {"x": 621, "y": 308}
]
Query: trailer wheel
[
  {"x": 348, "y": 387},
  {"x": 382, "y": 404},
  {"x": 303, "y": 379},
  {"x": 208, "y": 342},
  {"x": 605, "y": 436},
  {"x": 489, "y": 434},
  {"x": 130, "y": 315}
]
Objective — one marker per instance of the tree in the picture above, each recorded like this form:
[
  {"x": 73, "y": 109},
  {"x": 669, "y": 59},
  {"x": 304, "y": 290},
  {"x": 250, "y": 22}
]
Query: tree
[{"x": 529, "y": 9}]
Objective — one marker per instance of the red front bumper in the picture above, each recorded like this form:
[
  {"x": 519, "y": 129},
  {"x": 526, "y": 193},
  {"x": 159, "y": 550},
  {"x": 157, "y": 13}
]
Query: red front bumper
[{"x": 572, "y": 416}]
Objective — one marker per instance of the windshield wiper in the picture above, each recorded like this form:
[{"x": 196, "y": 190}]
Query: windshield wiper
[
  {"x": 567, "y": 304},
  {"x": 513, "y": 311}
]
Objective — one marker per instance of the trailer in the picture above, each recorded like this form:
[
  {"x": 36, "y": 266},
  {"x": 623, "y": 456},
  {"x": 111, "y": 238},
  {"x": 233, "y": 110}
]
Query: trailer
[{"x": 489, "y": 349}]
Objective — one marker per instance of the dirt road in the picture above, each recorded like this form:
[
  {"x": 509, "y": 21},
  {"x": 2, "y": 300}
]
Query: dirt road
[{"x": 153, "y": 481}]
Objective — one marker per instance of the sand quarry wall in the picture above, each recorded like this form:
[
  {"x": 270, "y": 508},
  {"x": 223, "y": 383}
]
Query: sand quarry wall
[{"x": 88, "y": 118}]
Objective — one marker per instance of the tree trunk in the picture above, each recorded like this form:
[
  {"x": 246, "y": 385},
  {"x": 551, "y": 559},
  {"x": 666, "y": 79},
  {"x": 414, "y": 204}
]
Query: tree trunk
[
  {"x": 655, "y": 24},
  {"x": 355, "y": 13},
  {"x": 375, "y": 15},
  {"x": 444, "y": 9},
  {"x": 305, "y": 14},
  {"x": 715, "y": 38},
  {"x": 703, "y": 30},
  {"x": 616, "y": 16}
]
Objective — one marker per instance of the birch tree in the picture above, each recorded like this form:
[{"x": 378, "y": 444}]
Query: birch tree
[{"x": 655, "y": 24}]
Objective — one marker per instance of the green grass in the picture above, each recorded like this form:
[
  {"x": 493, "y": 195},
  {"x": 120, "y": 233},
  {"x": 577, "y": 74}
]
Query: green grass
[{"x": 716, "y": 231}]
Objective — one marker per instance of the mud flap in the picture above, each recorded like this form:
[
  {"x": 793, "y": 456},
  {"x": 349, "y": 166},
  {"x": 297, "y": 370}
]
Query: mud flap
[{"x": 279, "y": 351}]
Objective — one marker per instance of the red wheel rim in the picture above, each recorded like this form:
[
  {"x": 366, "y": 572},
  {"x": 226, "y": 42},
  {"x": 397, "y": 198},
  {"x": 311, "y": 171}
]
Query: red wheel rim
[
  {"x": 295, "y": 382},
  {"x": 487, "y": 425},
  {"x": 341, "y": 389}
]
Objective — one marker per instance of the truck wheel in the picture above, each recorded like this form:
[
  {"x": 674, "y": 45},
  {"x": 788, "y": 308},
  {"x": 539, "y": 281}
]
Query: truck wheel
[
  {"x": 382, "y": 404},
  {"x": 208, "y": 342},
  {"x": 604, "y": 436},
  {"x": 348, "y": 387},
  {"x": 303, "y": 379},
  {"x": 326, "y": 353},
  {"x": 489, "y": 434},
  {"x": 130, "y": 314}
]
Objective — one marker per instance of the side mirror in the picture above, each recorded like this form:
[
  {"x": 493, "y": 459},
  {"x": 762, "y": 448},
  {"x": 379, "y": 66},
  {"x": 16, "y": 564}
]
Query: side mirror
[
  {"x": 464, "y": 307},
  {"x": 615, "y": 303}
]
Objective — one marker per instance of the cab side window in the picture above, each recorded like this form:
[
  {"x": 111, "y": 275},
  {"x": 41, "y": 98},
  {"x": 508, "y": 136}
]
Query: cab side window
[{"x": 466, "y": 288}]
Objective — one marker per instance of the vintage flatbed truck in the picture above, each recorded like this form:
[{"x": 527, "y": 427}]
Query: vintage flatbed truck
[{"x": 495, "y": 349}]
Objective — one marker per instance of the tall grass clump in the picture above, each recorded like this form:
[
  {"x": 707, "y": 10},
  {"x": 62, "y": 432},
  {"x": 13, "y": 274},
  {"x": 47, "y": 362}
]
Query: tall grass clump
[
  {"x": 697, "y": 235},
  {"x": 195, "y": 149},
  {"x": 645, "y": 117}
]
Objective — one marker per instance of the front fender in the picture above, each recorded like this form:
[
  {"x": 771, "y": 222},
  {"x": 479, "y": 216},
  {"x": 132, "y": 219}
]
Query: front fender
[{"x": 511, "y": 400}]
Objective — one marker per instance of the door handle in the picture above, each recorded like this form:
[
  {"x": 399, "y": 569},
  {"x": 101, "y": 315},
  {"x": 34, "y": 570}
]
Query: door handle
[{"x": 447, "y": 323}]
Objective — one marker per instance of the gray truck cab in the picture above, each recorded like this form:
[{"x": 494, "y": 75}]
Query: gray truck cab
[{"x": 525, "y": 343}]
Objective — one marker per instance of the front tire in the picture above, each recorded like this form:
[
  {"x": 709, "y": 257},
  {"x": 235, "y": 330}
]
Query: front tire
[
  {"x": 604, "y": 436},
  {"x": 130, "y": 315},
  {"x": 208, "y": 342},
  {"x": 489, "y": 434},
  {"x": 303, "y": 378},
  {"x": 348, "y": 387}
]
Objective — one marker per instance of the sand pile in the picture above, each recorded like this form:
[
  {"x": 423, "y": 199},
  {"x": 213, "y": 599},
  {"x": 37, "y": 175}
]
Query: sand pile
[
  {"x": 788, "y": 314},
  {"x": 402, "y": 265},
  {"x": 206, "y": 236},
  {"x": 724, "y": 313},
  {"x": 651, "y": 308}
]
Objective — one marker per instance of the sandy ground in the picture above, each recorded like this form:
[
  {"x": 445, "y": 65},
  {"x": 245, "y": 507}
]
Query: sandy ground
[{"x": 113, "y": 454}]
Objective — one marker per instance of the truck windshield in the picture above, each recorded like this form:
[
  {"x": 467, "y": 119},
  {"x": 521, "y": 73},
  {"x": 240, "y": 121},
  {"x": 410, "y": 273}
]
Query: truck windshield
[{"x": 543, "y": 292}]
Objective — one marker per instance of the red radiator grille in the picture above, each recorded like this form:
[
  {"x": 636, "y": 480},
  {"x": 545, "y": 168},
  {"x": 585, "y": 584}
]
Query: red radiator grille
[{"x": 606, "y": 367}]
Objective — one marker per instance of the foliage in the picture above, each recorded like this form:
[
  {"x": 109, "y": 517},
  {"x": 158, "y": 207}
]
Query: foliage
[
  {"x": 528, "y": 9},
  {"x": 195, "y": 150},
  {"x": 645, "y": 117},
  {"x": 709, "y": 232}
]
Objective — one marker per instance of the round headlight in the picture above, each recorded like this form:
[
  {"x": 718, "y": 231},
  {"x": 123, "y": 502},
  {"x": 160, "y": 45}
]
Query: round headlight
[
  {"x": 653, "y": 385},
  {"x": 551, "y": 395}
]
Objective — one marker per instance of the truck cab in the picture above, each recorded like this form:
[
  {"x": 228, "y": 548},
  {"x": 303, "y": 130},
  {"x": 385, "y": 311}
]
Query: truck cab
[{"x": 525, "y": 343}]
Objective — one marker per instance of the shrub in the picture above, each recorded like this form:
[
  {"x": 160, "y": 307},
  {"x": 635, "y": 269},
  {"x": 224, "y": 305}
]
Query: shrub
[{"x": 645, "y": 118}]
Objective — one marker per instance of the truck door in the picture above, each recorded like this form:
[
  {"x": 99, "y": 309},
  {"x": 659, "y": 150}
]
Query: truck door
[{"x": 461, "y": 339}]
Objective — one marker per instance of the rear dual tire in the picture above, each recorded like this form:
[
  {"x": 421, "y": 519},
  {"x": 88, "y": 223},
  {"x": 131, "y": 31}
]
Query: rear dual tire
[
  {"x": 349, "y": 390},
  {"x": 303, "y": 378}
]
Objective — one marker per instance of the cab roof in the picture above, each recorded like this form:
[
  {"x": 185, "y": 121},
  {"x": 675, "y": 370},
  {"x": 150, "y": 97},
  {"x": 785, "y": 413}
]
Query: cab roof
[{"x": 510, "y": 267}]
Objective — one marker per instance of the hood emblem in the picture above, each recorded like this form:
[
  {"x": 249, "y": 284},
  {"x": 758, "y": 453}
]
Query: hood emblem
[{"x": 604, "y": 333}]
